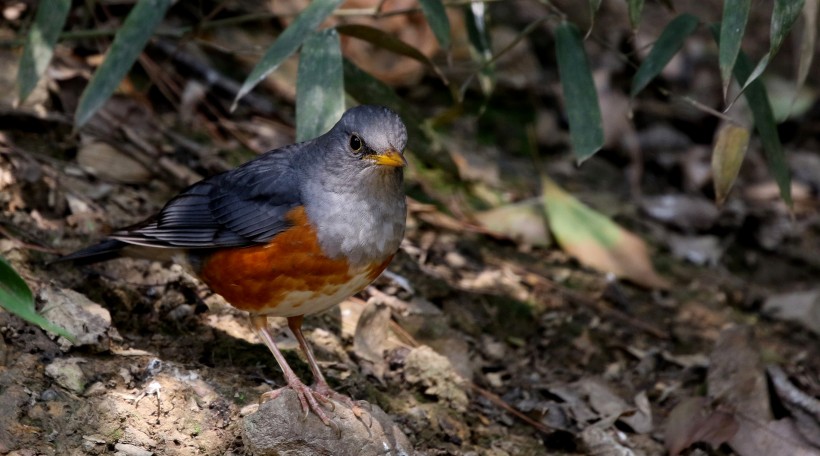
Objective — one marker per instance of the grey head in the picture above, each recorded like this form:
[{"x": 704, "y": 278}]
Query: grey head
[{"x": 352, "y": 187}]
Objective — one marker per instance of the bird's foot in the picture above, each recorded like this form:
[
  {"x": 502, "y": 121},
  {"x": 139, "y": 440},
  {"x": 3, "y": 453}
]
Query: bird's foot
[
  {"x": 309, "y": 398},
  {"x": 329, "y": 394}
]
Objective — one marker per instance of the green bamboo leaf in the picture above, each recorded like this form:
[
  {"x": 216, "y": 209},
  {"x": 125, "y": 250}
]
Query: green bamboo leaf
[
  {"x": 765, "y": 125},
  {"x": 388, "y": 41},
  {"x": 727, "y": 156},
  {"x": 437, "y": 18},
  {"x": 475, "y": 17},
  {"x": 16, "y": 298},
  {"x": 287, "y": 43},
  {"x": 807, "y": 42},
  {"x": 128, "y": 43},
  {"x": 784, "y": 16},
  {"x": 735, "y": 16},
  {"x": 635, "y": 9},
  {"x": 320, "y": 91},
  {"x": 668, "y": 44},
  {"x": 581, "y": 100},
  {"x": 40, "y": 41}
]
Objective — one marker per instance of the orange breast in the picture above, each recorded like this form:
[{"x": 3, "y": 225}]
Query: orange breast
[{"x": 278, "y": 278}]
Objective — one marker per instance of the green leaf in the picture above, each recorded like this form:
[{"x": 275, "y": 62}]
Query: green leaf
[
  {"x": 727, "y": 156},
  {"x": 581, "y": 100},
  {"x": 668, "y": 44},
  {"x": 807, "y": 42},
  {"x": 735, "y": 16},
  {"x": 596, "y": 241},
  {"x": 320, "y": 90},
  {"x": 128, "y": 43},
  {"x": 784, "y": 16},
  {"x": 16, "y": 298},
  {"x": 635, "y": 9},
  {"x": 287, "y": 43},
  {"x": 764, "y": 124},
  {"x": 475, "y": 17},
  {"x": 437, "y": 18},
  {"x": 388, "y": 41},
  {"x": 40, "y": 42}
]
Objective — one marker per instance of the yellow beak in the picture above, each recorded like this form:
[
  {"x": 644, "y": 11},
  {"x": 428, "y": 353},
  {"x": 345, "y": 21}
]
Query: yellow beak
[{"x": 391, "y": 157}]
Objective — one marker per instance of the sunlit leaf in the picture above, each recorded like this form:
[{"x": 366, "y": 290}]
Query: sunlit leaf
[
  {"x": 16, "y": 298},
  {"x": 320, "y": 92},
  {"x": 727, "y": 156},
  {"x": 522, "y": 221},
  {"x": 596, "y": 241},
  {"x": 635, "y": 10},
  {"x": 287, "y": 43},
  {"x": 388, "y": 41},
  {"x": 784, "y": 16},
  {"x": 735, "y": 16},
  {"x": 475, "y": 16},
  {"x": 437, "y": 18},
  {"x": 668, "y": 44},
  {"x": 128, "y": 43},
  {"x": 581, "y": 99},
  {"x": 764, "y": 124},
  {"x": 807, "y": 42},
  {"x": 40, "y": 41}
]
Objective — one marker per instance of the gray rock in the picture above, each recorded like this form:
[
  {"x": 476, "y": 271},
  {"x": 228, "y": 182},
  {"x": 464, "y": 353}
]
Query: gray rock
[{"x": 280, "y": 428}]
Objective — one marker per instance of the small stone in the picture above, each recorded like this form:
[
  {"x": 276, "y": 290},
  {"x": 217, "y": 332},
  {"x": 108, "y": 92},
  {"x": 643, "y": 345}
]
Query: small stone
[
  {"x": 95, "y": 389},
  {"x": 85, "y": 319},
  {"x": 126, "y": 449},
  {"x": 67, "y": 373},
  {"x": 280, "y": 427}
]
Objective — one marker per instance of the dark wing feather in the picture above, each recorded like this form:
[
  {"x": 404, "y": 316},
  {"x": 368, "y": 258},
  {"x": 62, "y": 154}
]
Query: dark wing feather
[{"x": 242, "y": 207}]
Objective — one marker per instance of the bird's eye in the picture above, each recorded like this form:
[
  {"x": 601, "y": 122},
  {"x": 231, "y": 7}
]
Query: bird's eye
[{"x": 355, "y": 143}]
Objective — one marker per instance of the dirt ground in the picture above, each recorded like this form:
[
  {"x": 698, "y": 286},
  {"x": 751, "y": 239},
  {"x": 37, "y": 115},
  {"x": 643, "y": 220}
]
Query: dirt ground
[{"x": 475, "y": 342}]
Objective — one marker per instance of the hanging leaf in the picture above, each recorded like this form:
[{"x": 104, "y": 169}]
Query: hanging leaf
[
  {"x": 807, "y": 42},
  {"x": 320, "y": 92},
  {"x": 596, "y": 241},
  {"x": 735, "y": 16},
  {"x": 287, "y": 43},
  {"x": 40, "y": 41},
  {"x": 581, "y": 100},
  {"x": 727, "y": 156},
  {"x": 635, "y": 10},
  {"x": 16, "y": 298},
  {"x": 668, "y": 44},
  {"x": 475, "y": 16},
  {"x": 128, "y": 43},
  {"x": 388, "y": 41},
  {"x": 784, "y": 16},
  {"x": 436, "y": 16}
]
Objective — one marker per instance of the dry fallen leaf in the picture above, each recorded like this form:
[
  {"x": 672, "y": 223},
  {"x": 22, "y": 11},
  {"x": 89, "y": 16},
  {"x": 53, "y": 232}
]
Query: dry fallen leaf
[
  {"x": 727, "y": 156},
  {"x": 596, "y": 241}
]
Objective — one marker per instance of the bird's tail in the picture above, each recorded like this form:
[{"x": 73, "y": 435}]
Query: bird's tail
[{"x": 104, "y": 251}]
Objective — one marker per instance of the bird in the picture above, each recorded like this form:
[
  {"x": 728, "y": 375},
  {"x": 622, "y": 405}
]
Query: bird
[{"x": 290, "y": 233}]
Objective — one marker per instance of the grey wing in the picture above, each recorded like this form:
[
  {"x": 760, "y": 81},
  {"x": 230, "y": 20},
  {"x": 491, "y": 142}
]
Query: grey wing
[{"x": 246, "y": 206}]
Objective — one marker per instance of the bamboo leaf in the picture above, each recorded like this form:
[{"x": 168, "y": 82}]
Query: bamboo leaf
[
  {"x": 16, "y": 298},
  {"x": 596, "y": 241},
  {"x": 727, "y": 156},
  {"x": 40, "y": 41},
  {"x": 287, "y": 43},
  {"x": 437, "y": 18},
  {"x": 784, "y": 16},
  {"x": 475, "y": 16},
  {"x": 807, "y": 42},
  {"x": 128, "y": 43},
  {"x": 581, "y": 99},
  {"x": 668, "y": 44},
  {"x": 388, "y": 41},
  {"x": 735, "y": 16},
  {"x": 635, "y": 9},
  {"x": 320, "y": 91}
]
